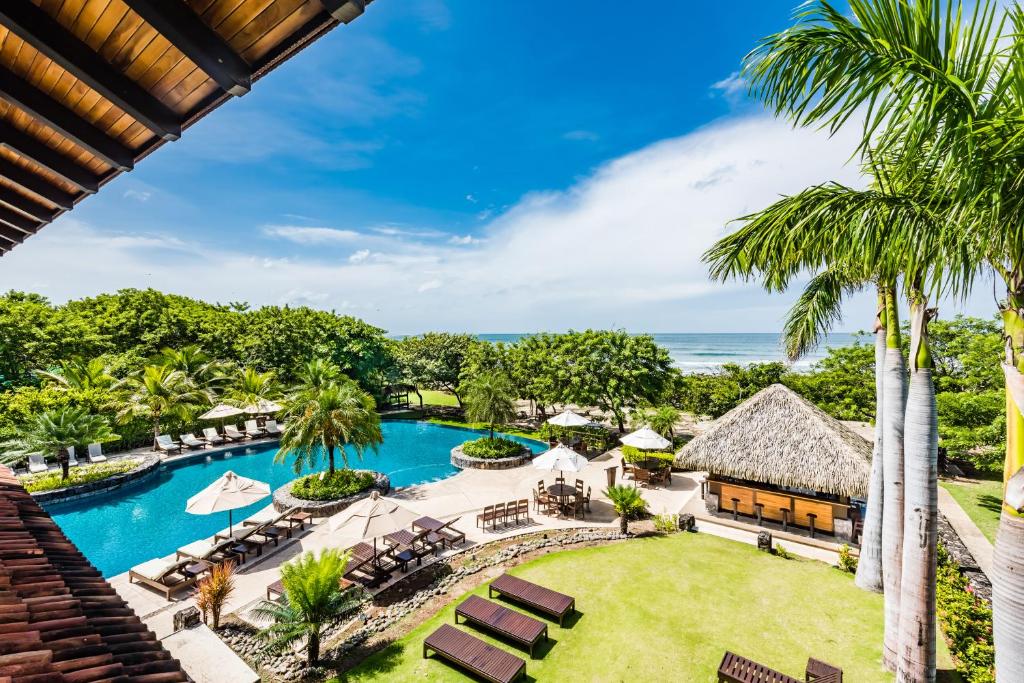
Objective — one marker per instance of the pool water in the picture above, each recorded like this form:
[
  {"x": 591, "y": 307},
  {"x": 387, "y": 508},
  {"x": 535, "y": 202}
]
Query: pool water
[{"x": 120, "y": 529}]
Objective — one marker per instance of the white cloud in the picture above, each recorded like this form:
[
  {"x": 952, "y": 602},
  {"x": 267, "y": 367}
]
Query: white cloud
[
  {"x": 471, "y": 199},
  {"x": 464, "y": 239},
  {"x": 138, "y": 195},
  {"x": 733, "y": 87},
  {"x": 303, "y": 235},
  {"x": 581, "y": 136},
  {"x": 620, "y": 248}
]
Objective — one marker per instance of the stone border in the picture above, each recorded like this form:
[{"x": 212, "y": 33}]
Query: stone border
[
  {"x": 284, "y": 500},
  {"x": 466, "y": 462},
  {"x": 148, "y": 467}
]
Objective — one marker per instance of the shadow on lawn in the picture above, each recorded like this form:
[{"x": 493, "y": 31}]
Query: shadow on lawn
[{"x": 990, "y": 502}]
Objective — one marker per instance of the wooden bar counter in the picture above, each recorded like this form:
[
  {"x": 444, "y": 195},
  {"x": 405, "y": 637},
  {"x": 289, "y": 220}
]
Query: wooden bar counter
[{"x": 773, "y": 503}]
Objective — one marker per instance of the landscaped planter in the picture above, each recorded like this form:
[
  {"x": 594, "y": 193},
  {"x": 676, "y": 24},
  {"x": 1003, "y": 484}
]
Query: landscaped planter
[
  {"x": 284, "y": 500},
  {"x": 463, "y": 461},
  {"x": 148, "y": 466}
]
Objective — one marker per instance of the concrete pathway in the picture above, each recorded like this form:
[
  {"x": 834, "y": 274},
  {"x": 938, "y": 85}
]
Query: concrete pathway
[
  {"x": 206, "y": 658},
  {"x": 967, "y": 530}
]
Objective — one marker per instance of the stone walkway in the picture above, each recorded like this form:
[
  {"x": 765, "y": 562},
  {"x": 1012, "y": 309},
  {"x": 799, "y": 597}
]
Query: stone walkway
[{"x": 977, "y": 543}]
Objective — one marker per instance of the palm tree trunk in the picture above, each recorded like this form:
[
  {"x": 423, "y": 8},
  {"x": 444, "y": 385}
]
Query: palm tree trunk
[
  {"x": 869, "y": 566},
  {"x": 892, "y": 466},
  {"x": 330, "y": 459},
  {"x": 156, "y": 429},
  {"x": 312, "y": 648},
  {"x": 920, "y": 519},
  {"x": 1008, "y": 557},
  {"x": 624, "y": 525}
]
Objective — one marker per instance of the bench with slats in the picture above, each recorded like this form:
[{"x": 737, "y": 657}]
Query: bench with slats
[
  {"x": 502, "y": 621},
  {"x": 530, "y": 594},
  {"x": 737, "y": 669},
  {"x": 471, "y": 653}
]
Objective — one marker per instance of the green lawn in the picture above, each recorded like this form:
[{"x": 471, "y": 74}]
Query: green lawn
[
  {"x": 981, "y": 499},
  {"x": 437, "y": 398},
  {"x": 661, "y": 609}
]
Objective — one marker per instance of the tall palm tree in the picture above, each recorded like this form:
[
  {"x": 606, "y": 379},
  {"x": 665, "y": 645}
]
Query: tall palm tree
[
  {"x": 312, "y": 601},
  {"x": 157, "y": 391},
  {"x": 662, "y": 420},
  {"x": 488, "y": 398},
  {"x": 316, "y": 373},
  {"x": 248, "y": 387},
  {"x": 78, "y": 373},
  {"x": 52, "y": 432},
  {"x": 323, "y": 420}
]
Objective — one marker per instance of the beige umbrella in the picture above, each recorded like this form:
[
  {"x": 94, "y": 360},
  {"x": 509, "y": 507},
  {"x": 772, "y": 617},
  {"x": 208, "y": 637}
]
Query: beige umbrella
[
  {"x": 263, "y": 407},
  {"x": 229, "y": 492},
  {"x": 370, "y": 517},
  {"x": 560, "y": 458},
  {"x": 568, "y": 418},
  {"x": 221, "y": 411},
  {"x": 646, "y": 439}
]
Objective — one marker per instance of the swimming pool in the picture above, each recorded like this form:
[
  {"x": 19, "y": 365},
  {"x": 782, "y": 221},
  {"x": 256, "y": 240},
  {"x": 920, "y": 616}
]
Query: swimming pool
[{"x": 120, "y": 529}]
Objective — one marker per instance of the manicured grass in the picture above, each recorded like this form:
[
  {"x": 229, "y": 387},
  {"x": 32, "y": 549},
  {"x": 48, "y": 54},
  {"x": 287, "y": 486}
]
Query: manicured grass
[
  {"x": 504, "y": 429},
  {"x": 981, "y": 499},
  {"x": 665, "y": 609},
  {"x": 438, "y": 398}
]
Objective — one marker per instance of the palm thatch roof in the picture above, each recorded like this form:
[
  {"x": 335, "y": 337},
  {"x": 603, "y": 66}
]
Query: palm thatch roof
[{"x": 777, "y": 437}]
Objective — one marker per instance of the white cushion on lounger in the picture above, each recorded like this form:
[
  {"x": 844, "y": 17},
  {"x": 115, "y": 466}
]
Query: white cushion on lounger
[
  {"x": 197, "y": 548},
  {"x": 153, "y": 570}
]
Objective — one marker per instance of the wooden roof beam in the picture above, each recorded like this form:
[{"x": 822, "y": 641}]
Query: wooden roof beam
[
  {"x": 45, "y": 34},
  {"x": 344, "y": 11},
  {"x": 11, "y": 235},
  {"x": 64, "y": 121},
  {"x": 176, "y": 21},
  {"x": 47, "y": 157},
  {"x": 19, "y": 222},
  {"x": 26, "y": 205},
  {"x": 36, "y": 185}
]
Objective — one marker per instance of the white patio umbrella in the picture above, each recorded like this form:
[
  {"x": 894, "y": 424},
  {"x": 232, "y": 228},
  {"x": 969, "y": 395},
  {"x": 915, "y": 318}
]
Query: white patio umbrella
[
  {"x": 263, "y": 407},
  {"x": 646, "y": 439},
  {"x": 567, "y": 418},
  {"x": 560, "y": 458},
  {"x": 370, "y": 517},
  {"x": 229, "y": 492},
  {"x": 221, "y": 411}
]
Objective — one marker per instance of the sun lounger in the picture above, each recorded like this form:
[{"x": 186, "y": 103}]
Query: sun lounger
[
  {"x": 449, "y": 534},
  {"x": 502, "y": 621},
  {"x": 369, "y": 568},
  {"x": 737, "y": 669},
  {"x": 271, "y": 516},
  {"x": 191, "y": 441},
  {"x": 272, "y": 428},
  {"x": 473, "y": 654},
  {"x": 253, "y": 429},
  {"x": 72, "y": 460},
  {"x": 212, "y": 437},
  {"x": 163, "y": 575},
  {"x": 96, "y": 453},
  {"x": 211, "y": 551},
  {"x": 165, "y": 443},
  {"x": 231, "y": 432},
  {"x": 36, "y": 463},
  {"x": 530, "y": 594}
]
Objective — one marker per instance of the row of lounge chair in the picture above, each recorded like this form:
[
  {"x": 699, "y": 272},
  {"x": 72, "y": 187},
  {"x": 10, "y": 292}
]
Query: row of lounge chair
[
  {"x": 371, "y": 565},
  {"x": 37, "y": 461},
  {"x": 484, "y": 659},
  {"x": 211, "y": 437},
  {"x": 194, "y": 559}
]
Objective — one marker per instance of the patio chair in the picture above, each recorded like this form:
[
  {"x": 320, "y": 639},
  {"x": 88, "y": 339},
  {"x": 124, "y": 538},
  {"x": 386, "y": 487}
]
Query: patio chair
[
  {"x": 212, "y": 437},
  {"x": 586, "y": 500},
  {"x": 72, "y": 459},
  {"x": 578, "y": 511},
  {"x": 486, "y": 516},
  {"x": 191, "y": 441},
  {"x": 512, "y": 512},
  {"x": 164, "y": 575},
  {"x": 166, "y": 444},
  {"x": 96, "y": 453},
  {"x": 253, "y": 429},
  {"x": 642, "y": 477},
  {"x": 36, "y": 463},
  {"x": 524, "y": 510},
  {"x": 272, "y": 428},
  {"x": 232, "y": 432}
]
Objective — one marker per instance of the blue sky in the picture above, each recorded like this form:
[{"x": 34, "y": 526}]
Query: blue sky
[{"x": 481, "y": 166}]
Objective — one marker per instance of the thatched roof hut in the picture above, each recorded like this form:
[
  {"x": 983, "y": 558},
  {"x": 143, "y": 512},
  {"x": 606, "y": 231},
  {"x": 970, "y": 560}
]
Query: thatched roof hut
[{"x": 777, "y": 437}]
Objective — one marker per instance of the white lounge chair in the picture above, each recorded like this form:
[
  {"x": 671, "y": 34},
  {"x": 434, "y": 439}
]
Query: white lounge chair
[
  {"x": 272, "y": 428},
  {"x": 36, "y": 463},
  {"x": 253, "y": 429},
  {"x": 96, "y": 453},
  {"x": 191, "y": 441},
  {"x": 72, "y": 460},
  {"x": 232, "y": 432},
  {"x": 165, "y": 443},
  {"x": 163, "y": 575},
  {"x": 212, "y": 437},
  {"x": 206, "y": 550}
]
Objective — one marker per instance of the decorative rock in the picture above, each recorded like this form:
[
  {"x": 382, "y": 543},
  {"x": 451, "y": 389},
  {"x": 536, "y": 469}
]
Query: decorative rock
[
  {"x": 463, "y": 461},
  {"x": 186, "y": 618},
  {"x": 687, "y": 522},
  {"x": 284, "y": 500},
  {"x": 764, "y": 541}
]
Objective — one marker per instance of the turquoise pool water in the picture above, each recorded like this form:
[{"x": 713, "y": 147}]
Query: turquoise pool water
[{"x": 120, "y": 529}]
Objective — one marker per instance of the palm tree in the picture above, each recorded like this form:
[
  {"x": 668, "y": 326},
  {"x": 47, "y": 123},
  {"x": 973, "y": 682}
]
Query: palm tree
[
  {"x": 312, "y": 600},
  {"x": 488, "y": 398},
  {"x": 249, "y": 387},
  {"x": 78, "y": 373},
  {"x": 628, "y": 503},
  {"x": 336, "y": 415},
  {"x": 53, "y": 431},
  {"x": 157, "y": 391},
  {"x": 204, "y": 371},
  {"x": 662, "y": 420},
  {"x": 316, "y": 373}
]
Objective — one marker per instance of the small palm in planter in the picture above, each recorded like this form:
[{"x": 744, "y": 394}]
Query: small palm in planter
[
  {"x": 628, "y": 503},
  {"x": 313, "y": 599}
]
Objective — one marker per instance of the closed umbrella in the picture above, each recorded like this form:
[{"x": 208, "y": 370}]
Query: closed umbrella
[
  {"x": 221, "y": 411},
  {"x": 369, "y": 518},
  {"x": 646, "y": 439},
  {"x": 227, "y": 493}
]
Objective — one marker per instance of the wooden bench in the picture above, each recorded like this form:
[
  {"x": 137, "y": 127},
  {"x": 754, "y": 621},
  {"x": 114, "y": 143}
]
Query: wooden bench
[
  {"x": 530, "y": 594},
  {"x": 473, "y": 654},
  {"x": 503, "y": 621},
  {"x": 737, "y": 669}
]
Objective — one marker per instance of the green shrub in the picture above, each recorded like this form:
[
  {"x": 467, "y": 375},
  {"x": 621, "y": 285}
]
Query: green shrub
[
  {"x": 967, "y": 622},
  {"x": 83, "y": 474},
  {"x": 666, "y": 523},
  {"x": 323, "y": 486},
  {"x": 847, "y": 562},
  {"x": 633, "y": 454},
  {"x": 781, "y": 552},
  {"x": 492, "y": 449}
]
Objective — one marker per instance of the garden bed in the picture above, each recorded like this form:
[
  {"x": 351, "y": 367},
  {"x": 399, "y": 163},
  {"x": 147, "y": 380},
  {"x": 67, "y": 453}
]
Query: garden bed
[
  {"x": 464, "y": 461},
  {"x": 284, "y": 499},
  {"x": 90, "y": 479}
]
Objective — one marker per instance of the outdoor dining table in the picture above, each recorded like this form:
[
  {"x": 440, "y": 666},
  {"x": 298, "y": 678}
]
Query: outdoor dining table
[{"x": 562, "y": 492}]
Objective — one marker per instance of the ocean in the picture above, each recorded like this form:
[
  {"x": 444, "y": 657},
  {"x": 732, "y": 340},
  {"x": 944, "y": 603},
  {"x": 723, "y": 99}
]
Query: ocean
[{"x": 704, "y": 352}]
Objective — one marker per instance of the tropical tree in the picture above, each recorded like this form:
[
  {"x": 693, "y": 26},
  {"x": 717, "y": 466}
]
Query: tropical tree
[
  {"x": 489, "y": 399},
  {"x": 435, "y": 360},
  {"x": 54, "y": 431},
  {"x": 312, "y": 600},
  {"x": 628, "y": 503},
  {"x": 248, "y": 387},
  {"x": 324, "y": 420},
  {"x": 661, "y": 419},
  {"x": 157, "y": 391},
  {"x": 78, "y": 373},
  {"x": 316, "y": 373},
  {"x": 196, "y": 364}
]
